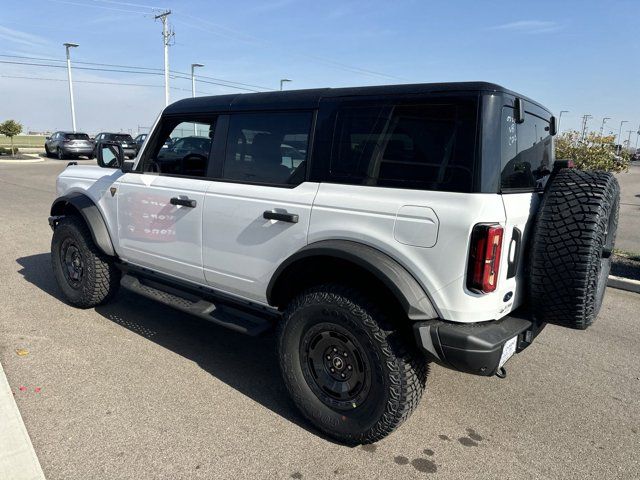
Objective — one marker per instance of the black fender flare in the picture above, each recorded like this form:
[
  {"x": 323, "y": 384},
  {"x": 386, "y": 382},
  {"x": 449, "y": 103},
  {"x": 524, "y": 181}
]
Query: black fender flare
[
  {"x": 91, "y": 215},
  {"x": 395, "y": 277}
]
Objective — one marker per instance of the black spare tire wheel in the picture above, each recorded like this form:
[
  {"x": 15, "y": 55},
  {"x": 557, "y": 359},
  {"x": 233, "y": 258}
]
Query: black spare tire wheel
[
  {"x": 348, "y": 370},
  {"x": 573, "y": 241}
]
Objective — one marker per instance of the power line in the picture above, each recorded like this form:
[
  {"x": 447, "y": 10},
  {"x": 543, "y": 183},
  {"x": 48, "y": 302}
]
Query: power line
[
  {"x": 124, "y": 84},
  {"x": 181, "y": 76},
  {"x": 160, "y": 70}
]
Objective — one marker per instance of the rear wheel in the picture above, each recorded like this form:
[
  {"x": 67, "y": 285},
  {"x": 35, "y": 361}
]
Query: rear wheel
[
  {"x": 60, "y": 154},
  {"x": 348, "y": 370},
  {"x": 85, "y": 275},
  {"x": 573, "y": 242}
]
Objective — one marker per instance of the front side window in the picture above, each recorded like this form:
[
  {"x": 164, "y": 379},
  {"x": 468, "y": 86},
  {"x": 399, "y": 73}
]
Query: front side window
[
  {"x": 527, "y": 151},
  {"x": 181, "y": 148},
  {"x": 267, "y": 148},
  {"x": 427, "y": 146}
]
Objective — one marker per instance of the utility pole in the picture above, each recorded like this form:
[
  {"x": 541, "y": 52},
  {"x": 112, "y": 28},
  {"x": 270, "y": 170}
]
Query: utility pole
[
  {"x": 167, "y": 35},
  {"x": 585, "y": 119},
  {"x": 193, "y": 90},
  {"x": 73, "y": 108},
  {"x": 602, "y": 127},
  {"x": 620, "y": 131},
  {"x": 637, "y": 136}
]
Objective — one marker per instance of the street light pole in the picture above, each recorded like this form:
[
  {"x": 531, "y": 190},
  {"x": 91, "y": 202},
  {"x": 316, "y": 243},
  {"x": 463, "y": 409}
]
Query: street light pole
[
  {"x": 620, "y": 131},
  {"x": 282, "y": 81},
  {"x": 560, "y": 117},
  {"x": 602, "y": 126},
  {"x": 193, "y": 90},
  {"x": 73, "y": 108},
  {"x": 585, "y": 119}
]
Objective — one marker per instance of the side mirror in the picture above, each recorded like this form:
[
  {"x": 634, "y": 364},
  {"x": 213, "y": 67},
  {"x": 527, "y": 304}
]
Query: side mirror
[
  {"x": 110, "y": 155},
  {"x": 47, "y": 138},
  {"x": 553, "y": 126}
]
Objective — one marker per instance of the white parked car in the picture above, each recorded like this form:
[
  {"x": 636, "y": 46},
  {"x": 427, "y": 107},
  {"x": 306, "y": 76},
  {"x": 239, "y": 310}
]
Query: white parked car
[{"x": 376, "y": 228}]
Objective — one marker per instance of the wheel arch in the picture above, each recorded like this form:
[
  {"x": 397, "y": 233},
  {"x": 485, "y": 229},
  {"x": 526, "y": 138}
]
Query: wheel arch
[
  {"x": 80, "y": 204},
  {"x": 311, "y": 264}
]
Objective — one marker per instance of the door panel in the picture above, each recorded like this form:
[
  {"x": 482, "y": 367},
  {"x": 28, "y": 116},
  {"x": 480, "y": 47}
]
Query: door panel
[
  {"x": 242, "y": 249},
  {"x": 156, "y": 234}
]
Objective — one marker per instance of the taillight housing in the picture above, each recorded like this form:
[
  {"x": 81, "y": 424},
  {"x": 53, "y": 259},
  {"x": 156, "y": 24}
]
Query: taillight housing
[{"x": 484, "y": 258}]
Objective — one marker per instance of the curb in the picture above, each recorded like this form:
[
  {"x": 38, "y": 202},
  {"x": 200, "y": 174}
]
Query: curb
[
  {"x": 624, "y": 284},
  {"x": 34, "y": 159},
  {"x": 18, "y": 459}
]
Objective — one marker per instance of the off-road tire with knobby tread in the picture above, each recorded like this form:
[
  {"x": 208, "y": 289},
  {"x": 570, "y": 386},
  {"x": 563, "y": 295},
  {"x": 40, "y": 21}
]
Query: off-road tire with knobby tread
[
  {"x": 100, "y": 280},
  {"x": 573, "y": 240},
  {"x": 399, "y": 371}
]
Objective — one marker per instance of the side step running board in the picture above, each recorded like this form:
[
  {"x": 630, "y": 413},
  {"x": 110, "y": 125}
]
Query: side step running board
[{"x": 223, "y": 315}]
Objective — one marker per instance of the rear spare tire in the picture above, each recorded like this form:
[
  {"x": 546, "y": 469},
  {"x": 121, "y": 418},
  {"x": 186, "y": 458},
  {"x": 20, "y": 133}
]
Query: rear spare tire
[{"x": 573, "y": 242}]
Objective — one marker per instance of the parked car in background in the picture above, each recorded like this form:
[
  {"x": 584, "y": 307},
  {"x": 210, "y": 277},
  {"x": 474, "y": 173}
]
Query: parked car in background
[
  {"x": 139, "y": 140},
  {"x": 127, "y": 142},
  {"x": 69, "y": 144},
  {"x": 636, "y": 156}
]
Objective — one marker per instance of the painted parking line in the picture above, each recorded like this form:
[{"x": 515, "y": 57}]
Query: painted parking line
[{"x": 18, "y": 460}]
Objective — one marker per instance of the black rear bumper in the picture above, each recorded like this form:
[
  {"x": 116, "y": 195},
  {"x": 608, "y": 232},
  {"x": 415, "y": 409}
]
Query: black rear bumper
[{"x": 475, "y": 347}]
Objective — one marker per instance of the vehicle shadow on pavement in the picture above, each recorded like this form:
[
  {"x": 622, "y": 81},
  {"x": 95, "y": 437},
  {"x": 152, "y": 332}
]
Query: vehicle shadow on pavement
[{"x": 247, "y": 364}]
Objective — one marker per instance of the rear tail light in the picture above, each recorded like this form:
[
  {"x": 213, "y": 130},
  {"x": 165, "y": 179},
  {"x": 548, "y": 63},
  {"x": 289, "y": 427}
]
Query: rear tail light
[{"x": 484, "y": 258}]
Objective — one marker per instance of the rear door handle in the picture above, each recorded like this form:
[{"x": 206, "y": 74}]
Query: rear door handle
[
  {"x": 282, "y": 217},
  {"x": 185, "y": 202}
]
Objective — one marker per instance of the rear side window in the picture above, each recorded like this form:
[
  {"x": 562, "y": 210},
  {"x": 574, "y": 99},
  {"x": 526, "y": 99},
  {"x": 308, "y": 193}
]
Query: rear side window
[
  {"x": 527, "y": 152},
  {"x": 427, "y": 146},
  {"x": 267, "y": 148}
]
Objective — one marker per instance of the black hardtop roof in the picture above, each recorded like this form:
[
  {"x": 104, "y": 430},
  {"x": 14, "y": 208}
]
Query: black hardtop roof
[{"x": 311, "y": 97}]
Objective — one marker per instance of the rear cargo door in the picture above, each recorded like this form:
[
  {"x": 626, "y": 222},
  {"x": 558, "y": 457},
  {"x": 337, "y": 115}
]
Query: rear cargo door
[{"x": 527, "y": 161}]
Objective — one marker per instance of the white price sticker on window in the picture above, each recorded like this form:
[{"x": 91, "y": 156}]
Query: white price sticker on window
[{"x": 508, "y": 350}]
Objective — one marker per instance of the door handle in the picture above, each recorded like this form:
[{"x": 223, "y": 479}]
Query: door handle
[
  {"x": 282, "y": 217},
  {"x": 185, "y": 202}
]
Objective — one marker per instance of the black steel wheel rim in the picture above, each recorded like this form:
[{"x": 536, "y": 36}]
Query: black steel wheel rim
[
  {"x": 72, "y": 263},
  {"x": 335, "y": 366}
]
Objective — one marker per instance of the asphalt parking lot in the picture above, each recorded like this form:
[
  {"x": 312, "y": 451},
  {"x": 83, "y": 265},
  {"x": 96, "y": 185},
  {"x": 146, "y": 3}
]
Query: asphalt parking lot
[{"x": 137, "y": 390}]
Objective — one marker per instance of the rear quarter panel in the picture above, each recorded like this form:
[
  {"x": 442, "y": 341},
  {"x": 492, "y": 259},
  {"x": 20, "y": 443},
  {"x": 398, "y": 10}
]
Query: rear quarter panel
[{"x": 369, "y": 215}]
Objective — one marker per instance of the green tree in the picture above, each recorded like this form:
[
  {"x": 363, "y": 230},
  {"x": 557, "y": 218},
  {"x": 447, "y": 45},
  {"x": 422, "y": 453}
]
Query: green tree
[
  {"x": 10, "y": 128},
  {"x": 594, "y": 153}
]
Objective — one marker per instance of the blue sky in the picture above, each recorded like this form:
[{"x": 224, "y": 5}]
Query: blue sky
[{"x": 581, "y": 56}]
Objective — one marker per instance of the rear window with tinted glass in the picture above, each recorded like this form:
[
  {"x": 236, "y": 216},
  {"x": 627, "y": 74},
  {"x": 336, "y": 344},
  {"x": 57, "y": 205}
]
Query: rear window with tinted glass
[
  {"x": 527, "y": 152},
  {"x": 121, "y": 138},
  {"x": 428, "y": 146},
  {"x": 76, "y": 136}
]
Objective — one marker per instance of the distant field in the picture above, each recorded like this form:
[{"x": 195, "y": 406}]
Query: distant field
[{"x": 23, "y": 141}]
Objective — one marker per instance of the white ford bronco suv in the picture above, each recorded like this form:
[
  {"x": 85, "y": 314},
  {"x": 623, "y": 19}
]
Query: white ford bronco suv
[{"x": 376, "y": 228}]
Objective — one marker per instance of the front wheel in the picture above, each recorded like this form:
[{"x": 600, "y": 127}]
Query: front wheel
[
  {"x": 353, "y": 375},
  {"x": 86, "y": 276}
]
